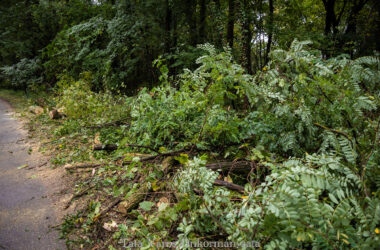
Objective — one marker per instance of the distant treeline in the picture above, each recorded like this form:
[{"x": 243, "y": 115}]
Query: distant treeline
[{"x": 116, "y": 42}]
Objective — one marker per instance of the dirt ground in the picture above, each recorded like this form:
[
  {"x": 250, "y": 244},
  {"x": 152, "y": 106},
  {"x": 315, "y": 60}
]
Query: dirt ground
[{"x": 32, "y": 194}]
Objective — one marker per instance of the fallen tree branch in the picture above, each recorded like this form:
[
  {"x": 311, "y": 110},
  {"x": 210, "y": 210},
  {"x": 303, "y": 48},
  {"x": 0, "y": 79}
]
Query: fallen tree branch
[
  {"x": 83, "y": 165},
  {"x": 215, "y": 219},
  {"x": 333, "y": 130},
  {"x": 153, "y": 157},
  {"x": 108, "y": 147},
  {"x": 142, "y": 146},
  {"x": 42, "y": 164},
  {"x": 235, "y": 166},
  {"x": 229, "y": 185},
  {"x": 109, "y": 124},
  {"x": 110, "y": 206},
  {"x": 81, "y": 193},
  {"x": 133, "y": 200},
  {"x": 111, "y": 147}
]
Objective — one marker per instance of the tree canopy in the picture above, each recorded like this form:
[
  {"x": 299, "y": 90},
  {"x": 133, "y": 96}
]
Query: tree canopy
[{"x": 117, "y": 41}]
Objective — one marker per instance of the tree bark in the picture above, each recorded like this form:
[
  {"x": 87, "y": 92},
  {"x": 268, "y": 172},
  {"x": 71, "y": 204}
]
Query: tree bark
[
  {"x": 235, "y": 166},
  {"x": 168, "y": 22},
  {"x": 192, "y": 22},
  {"x": 247, "y": 36},
  {"x": 231, "y": 23},
  {"x": 270, "y": 30},
  {"x": 331, "y": 22},
  {"x": 202, "y": 25},
  {"x": 353, "y": 17},
  {"x": 229, "y": 185}
]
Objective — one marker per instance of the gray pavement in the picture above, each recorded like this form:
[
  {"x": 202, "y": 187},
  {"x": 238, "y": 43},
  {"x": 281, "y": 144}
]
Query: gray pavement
[{"x": 26, "y": 211}]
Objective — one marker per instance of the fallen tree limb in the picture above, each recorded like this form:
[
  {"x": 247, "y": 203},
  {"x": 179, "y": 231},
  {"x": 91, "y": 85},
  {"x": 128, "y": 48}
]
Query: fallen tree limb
[
  {"x": 83, "y": 165},
  {"x": 125, "y": 206},
  {"x": 141, "y": 146},
  {"x": 104, "y": 211},
  {"x": 109, "y": 124},
  {"x": 234, "y": 166},
  {"x": 229, "y": 185},
  {"x": 81, "y": 193},
  {"x": 334, "y": 130},
  {"x": 111, "y": 147},
  {"x": 108, "y": 147},
  {"x": 153, "y": 157}
]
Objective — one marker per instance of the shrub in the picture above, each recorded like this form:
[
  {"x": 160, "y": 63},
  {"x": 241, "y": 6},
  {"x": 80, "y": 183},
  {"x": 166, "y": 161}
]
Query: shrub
[{"x": 24, "y": 74}]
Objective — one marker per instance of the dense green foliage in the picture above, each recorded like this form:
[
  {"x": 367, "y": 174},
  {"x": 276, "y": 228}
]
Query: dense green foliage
[
  {"x": 309, "y": 125},
  {"x": 117, "y": 41},
  {"x": 292, "y": 87}
]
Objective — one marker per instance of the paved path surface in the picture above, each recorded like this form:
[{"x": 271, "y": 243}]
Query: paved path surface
[{"x": 26, "y": 210}]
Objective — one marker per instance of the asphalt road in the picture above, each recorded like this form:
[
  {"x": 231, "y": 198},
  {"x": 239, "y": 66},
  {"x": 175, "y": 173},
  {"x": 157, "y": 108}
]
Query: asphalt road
[{"x": 26, "y": 212}]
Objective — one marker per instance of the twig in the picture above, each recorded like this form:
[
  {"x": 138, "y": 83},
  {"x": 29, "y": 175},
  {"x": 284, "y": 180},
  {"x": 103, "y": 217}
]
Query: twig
[
  {"x": 104, "y": 211},
  {"x": 42, "y": 164},
  {"x": 334, "y": 130},
  {"x": 214, "y": 219},
  {"x": 142, "y": 146},
  {"x": 81, "y": 193}
]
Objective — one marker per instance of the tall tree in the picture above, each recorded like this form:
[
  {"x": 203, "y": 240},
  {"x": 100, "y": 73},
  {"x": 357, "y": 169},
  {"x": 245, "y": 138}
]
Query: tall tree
[
  {"x": 231, "y": 23},
  {"x": 247, "y": 34},
  {"x": 190, "y": 9},
  {"x": 168, "y": 24},
  {"x": 202, "y": 21},
  {"x": 270, "y": 30}
]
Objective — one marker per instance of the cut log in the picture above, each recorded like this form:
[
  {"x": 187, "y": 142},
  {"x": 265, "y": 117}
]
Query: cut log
[
  {"x": 37, "y": 110},
  {"x": 54, "y": 114},
  {"x": 108, "y": 147}
]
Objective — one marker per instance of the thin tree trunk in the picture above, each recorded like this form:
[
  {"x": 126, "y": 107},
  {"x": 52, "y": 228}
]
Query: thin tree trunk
[
  {"x": 219, "y": 34},
  {"x": 190, "y": 15},
  {"x": 202, "y": 25},
  {"x": 270, "y": 30},
  {"x": 168, "y": 22},
  {"x": 353, "y": 17},
  {"x": 247, "y": 37},
  {"x": 231, "y": 23},
  {"x": 330, "y": 17}
]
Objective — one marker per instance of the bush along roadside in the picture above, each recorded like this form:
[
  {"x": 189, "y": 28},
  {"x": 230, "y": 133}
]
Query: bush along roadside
[{"x": 288, "y": 157}]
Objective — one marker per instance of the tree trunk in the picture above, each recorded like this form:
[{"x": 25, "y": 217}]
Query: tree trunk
[
  {"x": 270, "y": 30},
  {"x": 168, "y": 22},
  {"x": 330, "y": 17},
  {"x": 202, "y": 24},
  {"x": 247, "y": 36},
  {"x": 353, "y": 17},
  {"x": 191, "y": 20},
  {"x": 231, "y": 23}
]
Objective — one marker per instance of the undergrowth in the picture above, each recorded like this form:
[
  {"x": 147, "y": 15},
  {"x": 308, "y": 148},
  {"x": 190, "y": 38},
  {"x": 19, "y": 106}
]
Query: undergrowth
[{"x": 306, "y": 128}]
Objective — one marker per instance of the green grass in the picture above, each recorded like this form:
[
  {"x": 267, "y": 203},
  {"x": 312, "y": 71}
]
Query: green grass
[{"x": 16, "y": 98}]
